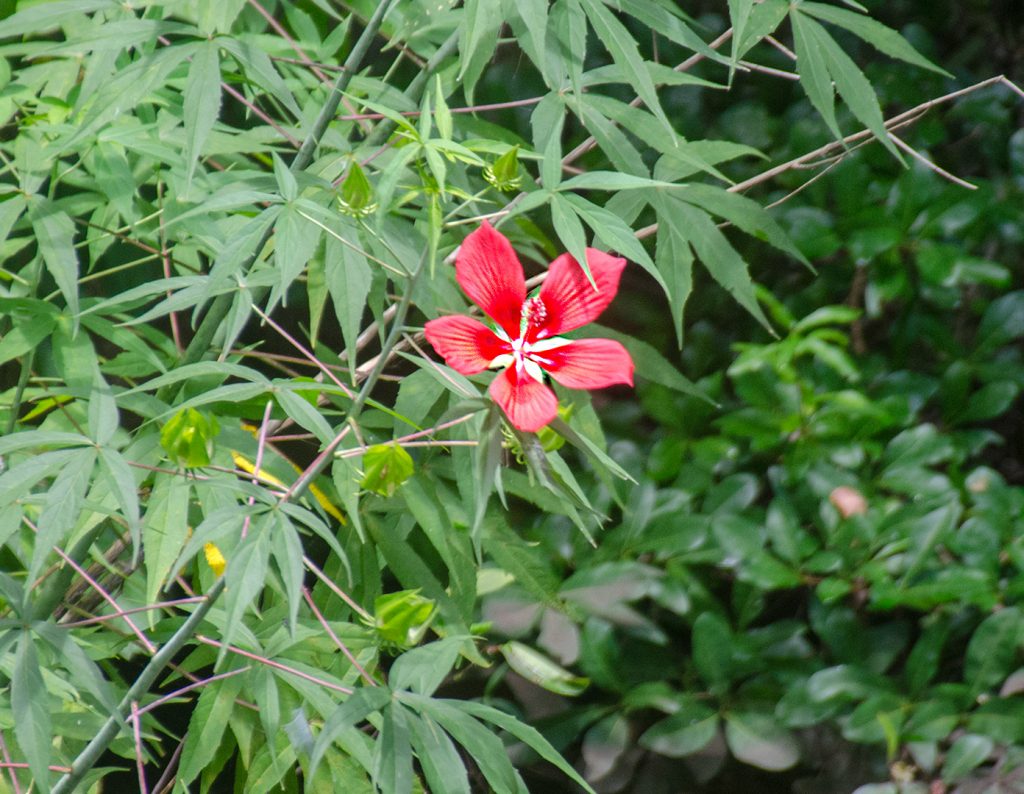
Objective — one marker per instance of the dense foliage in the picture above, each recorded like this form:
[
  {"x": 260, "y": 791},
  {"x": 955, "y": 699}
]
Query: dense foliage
[{"x": 258, "y": 535}]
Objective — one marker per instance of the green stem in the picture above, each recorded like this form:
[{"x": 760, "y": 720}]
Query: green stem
[
  {"x": 397, "y": 326},
  {"x": 92, "y": 752},
  {"x": 222, "y": 304}
]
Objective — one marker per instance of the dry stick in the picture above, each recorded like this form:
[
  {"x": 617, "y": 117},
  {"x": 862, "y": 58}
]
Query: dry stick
[
  {"x": 166, "y": 782},
  {"x": 828, "y": 149},
  {"x": 177, "y": 693},
  {"x": 929, "y": 164}
]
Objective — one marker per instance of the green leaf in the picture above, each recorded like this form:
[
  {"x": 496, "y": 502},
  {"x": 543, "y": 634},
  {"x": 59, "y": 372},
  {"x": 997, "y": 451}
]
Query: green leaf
[
  {"x": 385, "y": 467},
  {"x": 546, "y": 123},
  {"x": 527, "y": 734},
  {"x": 349, "y": 279},
  {"x": 392, "y": 767},
  {"x": 992, "y": 651},
  {"x": 812, "y": 67},
  {"x": 612, "y": 180},
  {"x": 542, "y": 671},
  {"x": 744, "y": 213},
  {"x": 54, "y": 233},
  {"x": 712, "y": 650},
  {"x": 295, "y": 242},
  {"x": 423, "y": 669},
  {"x": 965, "y": 755},
  {"x": 684, "y": 733},
  {"x": 478, "y": 37},
  {"x": 624, "y": 51},
  {"x": 758, "y": 740},
  {"x": 883, "y": 38},
  {"x": 720, "y": 258},
  {"x": 850, "y": 82},
  {"x": 359, "y": 705},
  {"x": 202, "y": 102},
  {"x": 165, "y": 530},
  {"x": 570, "y": 230},
  {"x": 614, "y": 233},
  {"x": 484, "y": 747},
  {"x": 303, "y": 412},
  {"x": 206, "y": 726},
  {"x": 30, "y": 710},
  {"x": 61, "y": 507},
  {"x": 443, "y": 768}
]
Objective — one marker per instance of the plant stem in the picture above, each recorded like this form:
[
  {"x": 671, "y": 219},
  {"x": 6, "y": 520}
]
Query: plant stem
[
  {"x": 92, "y": 752},
  {"x": 222, "y": 304}
]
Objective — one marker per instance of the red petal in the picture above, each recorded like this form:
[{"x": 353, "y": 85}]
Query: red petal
[
  {"x": 466, "y": 344},
  {"x": 489, "y": 272},
  {"x": 569, "y": 298},
  {"x": 528, "y": 404},
  {"x": 589, "y": 364}
]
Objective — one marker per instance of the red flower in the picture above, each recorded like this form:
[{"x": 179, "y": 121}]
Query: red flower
[{"x": 524, "y": 341}]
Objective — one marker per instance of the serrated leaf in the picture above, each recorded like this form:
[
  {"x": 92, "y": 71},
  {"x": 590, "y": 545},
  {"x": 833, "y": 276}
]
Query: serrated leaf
[
  {"x": 527, "y": 734},
  {"x": 359, "y": 705},
  {"x": 54, "y": 233},
  {"x": 570, "y": 230},
  {"x": 423, "y": 669},
  {"x": 201, "y": 102},
  {"x": 206, "y": 726},
  {"x": 624, "y": 51},
  {"x": 478, "y": 36},
  {"x": 392, "y": 768},
  {"x": 852, "y": 85},
  {"x": 881, "y": 37},
  {"x": 812, "y": 67},
  {"x": 720, "y": 259},
  {"x": 30, "y": 710},
  {"x": 61, "y": 507},
  {"x": 443, "y": 768},
  {"x": 484, "y": 747}
]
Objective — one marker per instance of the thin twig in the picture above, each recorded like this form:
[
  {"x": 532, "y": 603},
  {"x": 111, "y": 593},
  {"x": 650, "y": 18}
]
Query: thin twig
[
  {"x": 140, "y": 764},
  {"x": 276, "y": 665},
  {"x": 337, "y": 640},
  {"x": 929, "y": 164}
]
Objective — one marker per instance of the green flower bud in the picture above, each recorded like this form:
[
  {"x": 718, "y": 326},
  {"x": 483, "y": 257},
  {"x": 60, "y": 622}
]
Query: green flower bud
[
  {"x": 503, "y": 175},
  {"x": 356, "y": 196}
]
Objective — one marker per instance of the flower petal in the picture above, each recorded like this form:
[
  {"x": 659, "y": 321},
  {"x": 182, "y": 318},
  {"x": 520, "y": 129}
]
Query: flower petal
[
  {"x": 528, "y": 404},
  {"x": 466, "y": 344},
  {"x": 569, "y": 298},
  {"x": 489, "y": 272},
  {"x": 589, "y": 364}
]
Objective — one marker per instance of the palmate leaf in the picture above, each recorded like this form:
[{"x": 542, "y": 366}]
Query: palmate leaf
[
  {"x": 31, "y": 711},
  {"x": 717, "y": 255},
  {"x": 881, "y": 37},
  {"x": 820, "y": 61},
  {"x": 54, "y": 233},
  {"x": 392, "y": 757},
  {"x": 666, "y": 20},
  {"x": 624, "y": 51},
  {"x": 207, "y": 725},
  {"x": 201, "y": 102},
  {"x": 478, "y": 36}
]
